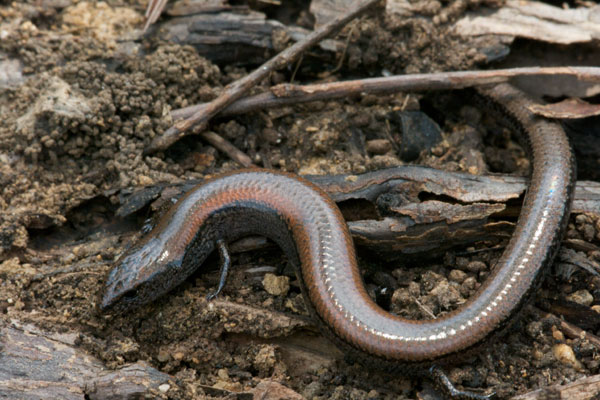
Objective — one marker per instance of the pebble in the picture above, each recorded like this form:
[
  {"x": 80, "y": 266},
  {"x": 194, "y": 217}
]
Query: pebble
[
  {"x": 265, "y": 359},
  {"x": 476, "y": 266},
  {"x": 419, "y": 133},
  {"x": 223, "y": 374},
  {"x": 163, "y": 356},
  {"x": 565, "y": 354},
  {"x": 456, "y": 275},
  {"x": 468, "y": 284},
  {"x": 373, "y": 394},
  {"x": 144, "y": 180},
  {"x": 557, "y": 335},
  {"x": 164, "y": 388},
  {"x": 537, "y": 355},
  {"x": 276, "y": 285},
  {"x": 581, "y": 297},
  {"x": 378, "y": 146}
]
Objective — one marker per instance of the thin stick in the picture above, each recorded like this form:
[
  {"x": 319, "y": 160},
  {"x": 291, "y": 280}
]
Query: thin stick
[
  {"x": 155, "y": 8},
  {"x": 237, "y": 89},
  {"x": 226, "y": 147},
  {"x": 286, "y": 94}
]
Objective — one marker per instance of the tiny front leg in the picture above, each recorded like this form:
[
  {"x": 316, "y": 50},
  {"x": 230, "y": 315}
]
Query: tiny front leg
[
  {"x": 225, "y": 264},
  {"x": 443, "y": 384}
]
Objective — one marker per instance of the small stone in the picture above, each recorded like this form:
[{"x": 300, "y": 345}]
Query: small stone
[
  {"x": 378, "y": 146},
  {"x": 583, "y": 219},
  {"x": 373, "y": 394},
  {"x": 276, "y": 285},
  {"x": 537, "y": 355},
  {"x": 223, "y": 374},
  {"x": 419, "y": 133},
  {"x": 476, "y": 266},
  {"x": 596, "y": 308},
  {"x": 469, "y": 284},
  {"x": 383, "y": 161},
  {"x": 163, "y": 356},
  {"x": 581, "y": 297},
  {"x": 588, "y": 232},
  {"x": 164, "y": 388},
  {"x": 265, "y": 360},
  {"x": 456, "y": 275},
  {"x": 144, "y": 180},
  {"x": 566, "y": 355},
  {"x": 558, "y": 335},
  {"x": 178, "y": 356}
]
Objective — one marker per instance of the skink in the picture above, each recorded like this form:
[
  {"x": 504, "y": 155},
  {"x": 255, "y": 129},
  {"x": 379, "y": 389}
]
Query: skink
[{"x": 309, "y": 227}]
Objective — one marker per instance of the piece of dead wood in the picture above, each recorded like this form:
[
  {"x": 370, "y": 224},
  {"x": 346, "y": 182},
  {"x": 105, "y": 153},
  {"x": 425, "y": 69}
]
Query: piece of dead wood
[
  {"x": 188, "y": 7},
  {"x": 227, "y": 148},
  {"x": 572, "y": 108},
  {"x": 387, "y": 213},
  {"x": 35, "y": 364},
  {"x": 155, "y": 8},
  {"x": 238, "y": 88},
  {"x": 571, "y": 257},
  {"x": 41, "y": 365},
  {"x": 534, "y": 20},
  {"x": 583, "y": 318},
  {"x": 237, "y": 36},
  {"x": 288, "y": 94}
]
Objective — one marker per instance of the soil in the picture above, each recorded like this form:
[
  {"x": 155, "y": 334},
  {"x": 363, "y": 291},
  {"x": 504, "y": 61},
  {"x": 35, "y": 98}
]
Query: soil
[{"x": 89, "y": 93}]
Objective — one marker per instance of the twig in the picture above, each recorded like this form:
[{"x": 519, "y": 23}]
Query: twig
[
  {"x": 226, "y": 147},
  {"x": 155, "y": 8},
  {"x": 287, "y": 94},
  {"x": 237, "y": 89},
  {"x": 423, "y": 308}
]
